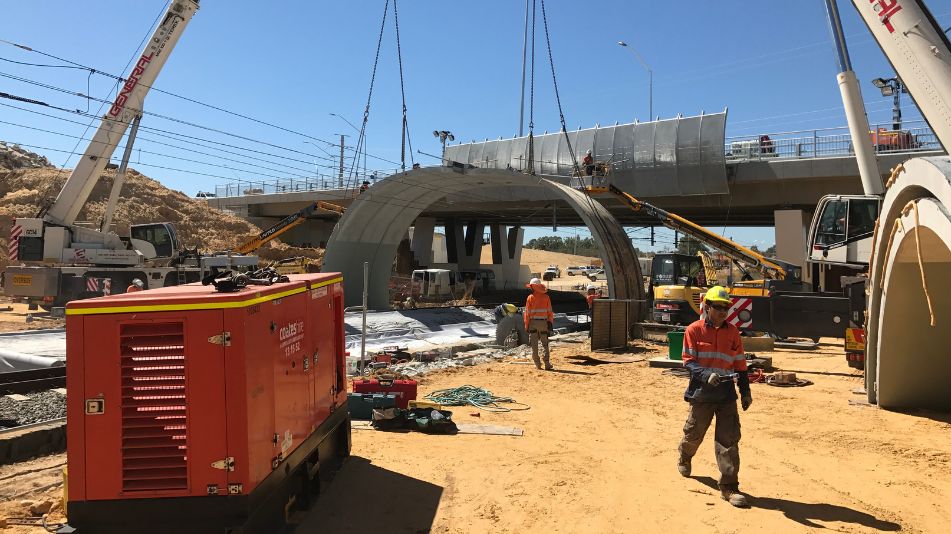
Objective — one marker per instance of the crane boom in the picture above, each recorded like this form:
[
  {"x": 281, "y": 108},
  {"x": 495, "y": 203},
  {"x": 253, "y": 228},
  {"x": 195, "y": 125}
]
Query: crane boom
[
  {"x": 286, "y": 224},
  {"x": 114, "y": 123},
  {"x": 673, "y": 221}
]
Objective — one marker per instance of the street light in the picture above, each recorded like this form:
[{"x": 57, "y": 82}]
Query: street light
[
  {"x": 650, "y": 76},
  {"x": 444, "y": 135},
  {"x": 894, "y": 88}
]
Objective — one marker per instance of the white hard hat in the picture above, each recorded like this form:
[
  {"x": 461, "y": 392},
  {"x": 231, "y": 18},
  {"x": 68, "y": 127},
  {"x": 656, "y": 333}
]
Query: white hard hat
[
  {"x": 534, "y": 281},
  {"x": 138, "y": 283},
  {"x": 592, "y": 287},
  {"x": 588, "y": 152}
]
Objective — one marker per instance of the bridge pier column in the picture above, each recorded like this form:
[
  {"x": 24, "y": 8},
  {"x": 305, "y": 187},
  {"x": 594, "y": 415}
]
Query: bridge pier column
[
  {"x": 507, "y": 256},
  {"x": 422, "y": 245},
  {"x": 791, "y": 228},
  {"x": 464, "y": 245}
]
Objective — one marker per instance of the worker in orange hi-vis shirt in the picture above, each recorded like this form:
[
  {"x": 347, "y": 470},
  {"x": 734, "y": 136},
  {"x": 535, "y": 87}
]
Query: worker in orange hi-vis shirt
[
  {"x": 713, "y": 352},
  {"x": 538, "y": 321}
]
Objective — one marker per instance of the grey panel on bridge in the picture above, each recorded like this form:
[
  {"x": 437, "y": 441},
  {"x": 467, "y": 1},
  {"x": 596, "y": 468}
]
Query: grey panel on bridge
[
  {"x": 377, "y": 220},
  {"x": 674, "y": 157}
]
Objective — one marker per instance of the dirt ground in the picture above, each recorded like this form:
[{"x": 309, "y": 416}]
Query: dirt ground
[
  {"x": 599, "y": 451},
  {"x": 599, "y": 455},
  {"x": 13, "y": 318}
]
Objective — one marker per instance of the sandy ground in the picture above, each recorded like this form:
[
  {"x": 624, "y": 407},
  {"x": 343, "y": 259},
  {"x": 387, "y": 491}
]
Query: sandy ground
[
  {"x": 599, "y": 451},
  {"x": 13, "y": 318},
  {"x": 599, "y": 454}
]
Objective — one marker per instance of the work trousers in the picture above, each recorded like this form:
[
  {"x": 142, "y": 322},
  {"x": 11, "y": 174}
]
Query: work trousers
[
  {"x": 538, "y": 331},
  {"x": 726, "y": 437}
]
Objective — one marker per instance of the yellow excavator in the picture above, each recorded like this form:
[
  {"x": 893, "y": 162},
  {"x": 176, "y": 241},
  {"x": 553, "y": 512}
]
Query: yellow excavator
[
  {"x": 678, "y": 281},
  {"x": 289, "y": 265}
]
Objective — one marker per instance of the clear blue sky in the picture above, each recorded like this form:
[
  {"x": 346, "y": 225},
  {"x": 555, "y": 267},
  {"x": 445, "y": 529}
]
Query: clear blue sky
[{"x": 293, "y": 62}]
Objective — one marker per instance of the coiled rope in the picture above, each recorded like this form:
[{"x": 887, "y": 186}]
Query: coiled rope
[{"x": 475, "y": 396}]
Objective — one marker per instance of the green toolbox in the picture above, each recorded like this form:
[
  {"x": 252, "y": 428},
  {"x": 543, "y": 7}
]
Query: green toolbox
[{"x": 361, "y": 405}]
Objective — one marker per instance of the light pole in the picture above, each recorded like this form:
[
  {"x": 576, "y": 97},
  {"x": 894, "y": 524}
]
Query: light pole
[
  {"x": 894, "y": 88},
  {"x": 650, "y": 77},
  {"x": 340, "y": 177},
  {"x": 364, "y": 141},
  {"x": 444, "y": 135}
]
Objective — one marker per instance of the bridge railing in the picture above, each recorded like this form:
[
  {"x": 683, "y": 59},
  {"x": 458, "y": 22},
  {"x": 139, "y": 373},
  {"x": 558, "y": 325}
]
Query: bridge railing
[
  {"x": 298, "y": 185},
  {"x": 915, "y": 136}
]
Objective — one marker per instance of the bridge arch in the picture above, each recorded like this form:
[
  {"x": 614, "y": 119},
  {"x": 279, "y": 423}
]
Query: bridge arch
[
  {"x": 376, "y": 222},
  {"x": 900, "y": 337}
]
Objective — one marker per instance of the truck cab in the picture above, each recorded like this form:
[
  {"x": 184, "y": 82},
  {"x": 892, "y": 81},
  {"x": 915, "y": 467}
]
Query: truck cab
[
  {"x": 156, "y": 240},
  {"x": 841, "y": 231}
]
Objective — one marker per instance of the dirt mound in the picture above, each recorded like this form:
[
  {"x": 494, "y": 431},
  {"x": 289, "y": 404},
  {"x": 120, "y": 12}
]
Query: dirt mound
[
  {"x": 15, "y": 157},
  {"x": 23, "y": 192}
]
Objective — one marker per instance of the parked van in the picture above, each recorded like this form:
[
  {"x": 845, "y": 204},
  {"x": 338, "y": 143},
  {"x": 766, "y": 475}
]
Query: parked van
[
  {"x": 430, "y": 283},
  {"x": 577, "y": 269},
  {"x": 484, "y": 279}
]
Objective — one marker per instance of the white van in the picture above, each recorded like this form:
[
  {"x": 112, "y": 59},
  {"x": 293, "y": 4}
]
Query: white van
[{"x": 427, "y": 283}]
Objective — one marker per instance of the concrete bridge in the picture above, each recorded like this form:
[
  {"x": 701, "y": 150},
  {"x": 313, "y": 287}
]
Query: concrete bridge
[{"x": 687, "y": 167}]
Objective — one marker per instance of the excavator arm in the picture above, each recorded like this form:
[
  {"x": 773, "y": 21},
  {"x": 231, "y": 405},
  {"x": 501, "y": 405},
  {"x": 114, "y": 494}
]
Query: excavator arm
[
  {"x": 673, "y": 221},
  {"x": 286, "y": 224}
]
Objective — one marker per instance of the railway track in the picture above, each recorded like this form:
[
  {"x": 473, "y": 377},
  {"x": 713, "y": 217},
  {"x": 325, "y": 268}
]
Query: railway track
[{"x": 32, "y": 380}]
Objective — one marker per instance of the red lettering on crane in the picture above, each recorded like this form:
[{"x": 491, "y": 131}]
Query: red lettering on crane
[
  {"x": 886, "y": 9},
  {"x": 130, "y": 85}
]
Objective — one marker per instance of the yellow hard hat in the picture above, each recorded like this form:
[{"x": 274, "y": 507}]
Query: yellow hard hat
[{"x": 718, "y": 294}]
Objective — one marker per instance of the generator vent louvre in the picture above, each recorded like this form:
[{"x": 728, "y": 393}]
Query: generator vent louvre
[{"x": 154, "y": 416}]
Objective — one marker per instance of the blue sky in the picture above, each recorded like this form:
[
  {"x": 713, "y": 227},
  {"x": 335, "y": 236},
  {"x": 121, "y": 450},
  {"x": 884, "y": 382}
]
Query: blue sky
[{"x": 292, "y": 63}]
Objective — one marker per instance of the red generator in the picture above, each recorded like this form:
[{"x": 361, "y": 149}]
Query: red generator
[{"x": 192, "y": 410}]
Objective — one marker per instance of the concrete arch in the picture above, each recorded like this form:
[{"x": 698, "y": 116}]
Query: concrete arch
[
  {"x": 900, "y": 340},
  {"x": 376, "y": 222}
]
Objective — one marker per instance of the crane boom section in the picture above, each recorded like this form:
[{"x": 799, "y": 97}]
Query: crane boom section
[
  {"x": 128, "y": 103},
  {"x": 286, "y": 224},
  {"x": 701, "y": 234},
  {"x": 920, "y": 53}
]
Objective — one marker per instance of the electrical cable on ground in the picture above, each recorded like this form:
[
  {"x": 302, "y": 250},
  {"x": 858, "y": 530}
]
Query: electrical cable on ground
[{"x": 475, "y": 396}]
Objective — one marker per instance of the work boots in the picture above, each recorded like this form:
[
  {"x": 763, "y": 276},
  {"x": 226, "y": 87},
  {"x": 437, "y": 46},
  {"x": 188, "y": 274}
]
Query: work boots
[
  {"x": 733, "y": 496},
  {"x": 683, "y": 466},
  {"x": 548, "y": 366},
  {"x": 538, "y": 363}
]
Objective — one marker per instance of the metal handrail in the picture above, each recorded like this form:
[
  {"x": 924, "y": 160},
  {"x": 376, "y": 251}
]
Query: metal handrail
[{"x": 755, "y": 147}]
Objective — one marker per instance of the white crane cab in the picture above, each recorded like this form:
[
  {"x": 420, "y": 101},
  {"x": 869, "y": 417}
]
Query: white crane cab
[{"x": 841, "y": 230}]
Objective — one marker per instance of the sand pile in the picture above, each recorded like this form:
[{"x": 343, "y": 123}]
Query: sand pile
[
  {"x": 14, "y": 156},
  {"x": 23, "y": 192}
]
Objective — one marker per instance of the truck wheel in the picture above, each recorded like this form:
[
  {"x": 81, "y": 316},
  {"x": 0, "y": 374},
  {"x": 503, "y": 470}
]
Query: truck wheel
[{"x": 510, "y": 332}]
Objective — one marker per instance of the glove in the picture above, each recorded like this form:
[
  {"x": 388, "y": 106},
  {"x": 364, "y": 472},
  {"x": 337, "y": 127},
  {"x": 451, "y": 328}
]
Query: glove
[
  {"x": 713, "y": 379},
  {"x": 551, "y": 328},
  {"x": 746, "y": 401}
]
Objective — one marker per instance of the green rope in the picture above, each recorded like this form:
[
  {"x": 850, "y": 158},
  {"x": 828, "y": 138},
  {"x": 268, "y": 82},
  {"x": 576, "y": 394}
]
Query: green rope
[{"x": 474, "y": 396}]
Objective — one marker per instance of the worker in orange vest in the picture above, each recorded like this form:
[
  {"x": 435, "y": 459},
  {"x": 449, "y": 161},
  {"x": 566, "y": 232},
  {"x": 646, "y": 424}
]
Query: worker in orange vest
[
  {"x": 538, "y": 321},
  {"x": 713, "y": 352},
  {"x": 136, "y": 285}
]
